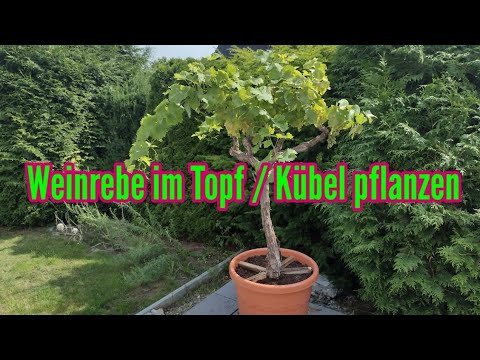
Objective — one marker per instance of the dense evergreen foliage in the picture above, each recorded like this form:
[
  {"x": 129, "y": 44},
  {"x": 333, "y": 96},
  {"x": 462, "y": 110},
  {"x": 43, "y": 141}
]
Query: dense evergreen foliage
[
  {"x": 413, "y": 258},
  {"x": 59, "y": 103}
]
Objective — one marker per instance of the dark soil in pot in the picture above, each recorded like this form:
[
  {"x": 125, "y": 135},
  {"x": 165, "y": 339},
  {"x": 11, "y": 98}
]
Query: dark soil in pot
[{"x": 282, "y": 280}]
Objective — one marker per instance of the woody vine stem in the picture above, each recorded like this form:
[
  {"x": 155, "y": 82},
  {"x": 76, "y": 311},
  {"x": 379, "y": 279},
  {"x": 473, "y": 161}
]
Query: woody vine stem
[{"x": 273, "y": 260}]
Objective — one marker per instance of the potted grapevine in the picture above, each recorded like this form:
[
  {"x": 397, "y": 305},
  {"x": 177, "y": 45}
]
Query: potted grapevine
[{"x": 257, "y": 112}]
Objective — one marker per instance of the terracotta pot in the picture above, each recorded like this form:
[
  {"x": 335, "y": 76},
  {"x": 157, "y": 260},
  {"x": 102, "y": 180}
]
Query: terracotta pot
[{"x": 262, "y": 299}]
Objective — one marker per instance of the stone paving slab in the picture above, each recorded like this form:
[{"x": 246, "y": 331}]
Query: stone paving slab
[
  {"x": 224, "y": 302},
  {"x": 228, "y": 290},
  {"x": 315, "y": 309},
  {"x": 214, "y": 304}
]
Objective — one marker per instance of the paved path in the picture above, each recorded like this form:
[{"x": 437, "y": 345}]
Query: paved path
[{"x": 224, "y": 302}]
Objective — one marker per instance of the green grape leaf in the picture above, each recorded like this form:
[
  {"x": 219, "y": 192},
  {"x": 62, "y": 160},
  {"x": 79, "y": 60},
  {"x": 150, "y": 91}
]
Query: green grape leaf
[
  {"x": 267, "y": 143},
  {"x": 256, "y": 81},
  {"x": 129, "y": 166},
  {"x": 287, "y": 156},
  {"x": 290, "y": 100},
  {"x": 342, "y": 104},
  {"x": 214, "y": 56},
  {"x": 355, "y": 130},
  {"x": 334, "y": 118},
  {"x": 243, "y": 94},
  {"x": 370, "y": 116},
  {"x": 311, "y": 116},
  {"x": 262, "y": 56},
  {"x": 193, "y": 103},
  {"x": 233, "y": 127},
  {"x": 287, "y": 136},
  {"x": 177, "y": 93},
  {"x": 188, "y": 110},
  {"x": 180, "y": 76},
  {"x": 280, "y": 122},
  {"x": 361, "y": 119},
  {"x": 310, "y": 64},
  {"x": 264, "y": 113},
  {"x": 263, "y": 132},
  {"x": 138, "y": 150},
  {"x": 159, "y": 131},
  {"x": 146, "y": 160},
  {"x": 231, "y": 69},
  {"x": 303, "y": 97},
  {"x": 237, "y": 100},
  {"x": 348, "y": 124},
  {"x": 263, "y": 93},
  {"x": 351, "y": 114},
  {"x": 356, "y": 109},
  {"x": 143, "y": 133},
  {"x": 257, "y": 138}
]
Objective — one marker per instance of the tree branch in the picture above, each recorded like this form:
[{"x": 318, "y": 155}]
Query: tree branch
[
  {"x": 311, "y": 143},
  {"x": 241, "y": 156},
  {"x": 276, "y": 150},
  {"x": 279, "y": 145},
  {"x": 247, "y": 144}
]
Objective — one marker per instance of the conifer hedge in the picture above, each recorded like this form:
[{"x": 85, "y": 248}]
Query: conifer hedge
[
  {"x": 413, "y": 258},
  {"x": 64, "y": 103}
]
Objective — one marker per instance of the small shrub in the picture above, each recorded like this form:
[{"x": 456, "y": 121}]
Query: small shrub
[
  {"x": 159, "y": 267},
  {"x": 142, "y": 254},
  {"x": 118, "y": 233}
]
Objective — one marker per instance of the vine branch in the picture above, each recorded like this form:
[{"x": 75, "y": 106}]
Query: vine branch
[
  {"x": 240, "y": 155},
  {"x": 311, "y": 143}
]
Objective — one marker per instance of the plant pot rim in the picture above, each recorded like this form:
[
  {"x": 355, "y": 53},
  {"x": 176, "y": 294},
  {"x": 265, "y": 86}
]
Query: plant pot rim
[{"x": 268, "y": 288}]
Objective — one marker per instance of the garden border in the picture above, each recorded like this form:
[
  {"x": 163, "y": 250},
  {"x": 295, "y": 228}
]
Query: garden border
[{"x": 177, "y": 294}]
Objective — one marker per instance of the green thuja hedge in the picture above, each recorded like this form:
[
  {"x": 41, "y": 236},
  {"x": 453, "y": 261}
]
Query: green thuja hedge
[
  {"x": 119, "y": 108},
  {"x": 64, "y": 103},
  {"x": 413, "y": 258}
]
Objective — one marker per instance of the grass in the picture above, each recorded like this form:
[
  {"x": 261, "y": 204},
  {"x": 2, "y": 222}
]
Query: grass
[{"x": 43, "y": 273}]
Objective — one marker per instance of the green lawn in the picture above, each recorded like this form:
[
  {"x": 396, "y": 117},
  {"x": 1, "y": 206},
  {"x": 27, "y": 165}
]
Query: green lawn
[{"x": 41, "y": 273}]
